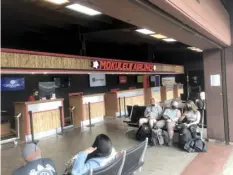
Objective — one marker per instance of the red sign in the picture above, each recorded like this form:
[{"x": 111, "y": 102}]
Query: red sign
[
  {"x": 123, "y": 79},
  {"x": 123, "y": 66}
]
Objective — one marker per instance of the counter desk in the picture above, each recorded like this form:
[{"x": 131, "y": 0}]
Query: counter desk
[
  {"x": 116, "y": 102},
  {"x": 178, "y": 90},
  {"x": 166, "y": 93},
  {"x": 46, "y": 116},
  {"x": 85, "y": 106},
  {"x": 155, "y": 93}
]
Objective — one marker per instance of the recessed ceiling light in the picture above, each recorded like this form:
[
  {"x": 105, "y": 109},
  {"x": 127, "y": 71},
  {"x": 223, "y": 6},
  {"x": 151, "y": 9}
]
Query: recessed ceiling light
[
  {"x": 145, "y": 31},
  {"x": 159, "y": 36},
  {"x": 58, "y": 2},
  {"x": 195, "y": 49},
  {"x": 83, "y": 9},
  {"x": 169, "y": 40}
]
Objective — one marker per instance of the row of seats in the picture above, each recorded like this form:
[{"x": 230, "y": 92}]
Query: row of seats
[
  {"x": 136, "y": 112},
  {"x": 127, "y": 163}
]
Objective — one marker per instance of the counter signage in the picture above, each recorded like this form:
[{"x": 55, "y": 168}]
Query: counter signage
[
  {"x": 123, "y": 79},
  {"x": 96, "y": 80},
  {"x": 123, "y": 66},
  {"x": 12, "y": 84}
]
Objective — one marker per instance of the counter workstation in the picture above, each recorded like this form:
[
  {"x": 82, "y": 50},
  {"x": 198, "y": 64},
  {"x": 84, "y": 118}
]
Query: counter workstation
[
  {"x": 178, "y": 90},
  {"x": 46, "y": 116},
  {"x": 116, "y": 102},
  {"x": 85, "y": 106},
  {"x": 155, "y": 93},
  {"x": 166, "y": 93}
]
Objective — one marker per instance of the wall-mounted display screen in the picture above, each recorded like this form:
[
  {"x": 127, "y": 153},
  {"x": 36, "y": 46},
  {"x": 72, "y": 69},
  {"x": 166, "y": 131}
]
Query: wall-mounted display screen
[
  {"x": 96, "y": 80},
  {"x": 140, "y": 79},
  {"x": 12, "y": 83}
]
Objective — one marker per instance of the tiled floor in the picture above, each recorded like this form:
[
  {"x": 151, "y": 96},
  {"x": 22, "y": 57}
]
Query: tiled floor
[{"x": 158, "y": 160}]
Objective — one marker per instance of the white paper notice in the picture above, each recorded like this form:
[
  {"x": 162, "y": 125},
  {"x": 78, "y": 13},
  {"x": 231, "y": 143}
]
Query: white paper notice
[{"x": 215, "y": 80}]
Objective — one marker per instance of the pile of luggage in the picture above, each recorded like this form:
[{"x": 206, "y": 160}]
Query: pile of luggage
[{"x": 189, "y": 138}]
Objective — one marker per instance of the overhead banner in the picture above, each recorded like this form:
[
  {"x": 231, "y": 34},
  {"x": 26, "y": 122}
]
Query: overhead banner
[
  {"x": 97, "y": 80},
  {"x": 123, "y": 66},
  {"x": 12, "y": 84},
  {"x": 57, "y": 63}
]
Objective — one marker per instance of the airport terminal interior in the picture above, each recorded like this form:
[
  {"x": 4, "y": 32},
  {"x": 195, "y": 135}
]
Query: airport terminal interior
[{"x": 74, "y": 69}]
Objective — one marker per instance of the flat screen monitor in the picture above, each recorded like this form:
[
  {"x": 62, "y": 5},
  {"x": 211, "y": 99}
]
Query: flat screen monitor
[{"x": 46, "y": 89}]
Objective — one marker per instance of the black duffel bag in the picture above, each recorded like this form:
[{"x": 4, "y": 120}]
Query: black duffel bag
[
  {"x": 195, "y": 145},
  {"x": 143, "y": 132}
]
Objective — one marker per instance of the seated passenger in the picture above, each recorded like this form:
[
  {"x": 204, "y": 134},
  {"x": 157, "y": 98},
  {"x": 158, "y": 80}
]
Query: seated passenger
[
  {"x": 170, "y": 117},
  {"x": 34, "y": 163},
  {"x": 192, "y": 117},
  {"x": 94, "y": 157},
  {"x": 152, "y": 113}
]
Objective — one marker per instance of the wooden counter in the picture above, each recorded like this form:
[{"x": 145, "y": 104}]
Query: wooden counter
[
  {"x": 81, "y": 112},
  {"x": 166, "y": 93},
  {"x": 97, "y": 109},
  {"x": 5, "y": 129},
  {"x": 155, "y": 93},
  {"x": 178, "y": 90},
  {"x": 45, "y": 115},
  {"x": 116, "y": 102},
  {"x": 132, "y": 97}
]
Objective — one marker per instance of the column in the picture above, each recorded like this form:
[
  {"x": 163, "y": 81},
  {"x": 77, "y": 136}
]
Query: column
[
  {"x": 214, "y": 98},
  {"x": 229, "y": 80},
  {"x": 219, "y": 112}
]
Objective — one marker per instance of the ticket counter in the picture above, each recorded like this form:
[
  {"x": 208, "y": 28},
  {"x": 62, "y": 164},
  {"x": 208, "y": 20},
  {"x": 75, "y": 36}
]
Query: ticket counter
[
  {"x": 116, "y": 102},
  {"x": 85, "y": 106},
  {"x": 46, "y": 116},
  {"x": 155, "y": 93},
  {"x": 178, "y": 90},
  {"x": 166, "y": 93}
]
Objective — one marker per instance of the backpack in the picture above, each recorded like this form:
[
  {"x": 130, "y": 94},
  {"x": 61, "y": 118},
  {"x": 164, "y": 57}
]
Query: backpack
[
  {"x": 185, "y": 136},
  {"x": 143, "y": 132},
  {"x": 196, "y": 145},
  {"x": 157, "y": 137}
]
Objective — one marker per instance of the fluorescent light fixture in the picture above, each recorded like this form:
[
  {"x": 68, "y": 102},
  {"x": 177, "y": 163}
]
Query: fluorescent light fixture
[
  {"x": 83, "y": 9},
  {"x": 58, "y": 2},
  {"x": 159, "y": 36},
  {"x": 169, "y": 40},
  {"x": 195, "y": 49},
  {"x": 145, "y": 31}
]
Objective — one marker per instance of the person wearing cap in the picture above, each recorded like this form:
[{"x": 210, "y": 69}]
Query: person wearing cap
[
  {"x": 152, "y": 113},
  {"x": 170, "y": 117},
  {"x": 35, "y": 164}
]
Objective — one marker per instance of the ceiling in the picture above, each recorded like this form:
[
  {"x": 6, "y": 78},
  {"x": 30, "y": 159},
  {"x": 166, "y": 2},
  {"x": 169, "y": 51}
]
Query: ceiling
[{"x": 28, "y": 19}]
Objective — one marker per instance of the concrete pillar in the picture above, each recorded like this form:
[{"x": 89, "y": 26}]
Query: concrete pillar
[
  {"x": 229, "y": 79},
  {"x": 214, "y": 102},
  {"x": 218, "y": 120}
]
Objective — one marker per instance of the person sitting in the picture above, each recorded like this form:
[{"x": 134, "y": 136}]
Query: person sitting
[
  {"x": 170, "y": 117},
  {"x": 191, "y": 117},
  {"x": 34, "y": 96},
  {"x": 152, "y": 113},
  {"x": 31, "y": 153},
  {"x": 94, "y": 157}
]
